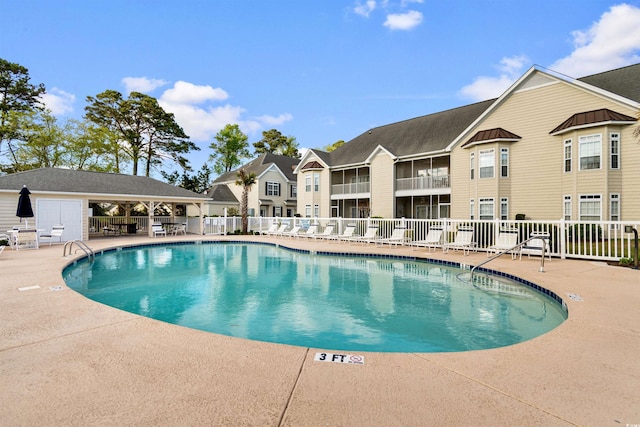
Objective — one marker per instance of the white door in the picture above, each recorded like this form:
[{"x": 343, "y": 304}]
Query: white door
[{"x": 50, "y": 212}]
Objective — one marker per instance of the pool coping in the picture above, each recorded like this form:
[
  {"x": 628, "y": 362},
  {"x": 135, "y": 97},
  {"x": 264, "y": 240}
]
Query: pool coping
[{"x": 70, "y": 361}]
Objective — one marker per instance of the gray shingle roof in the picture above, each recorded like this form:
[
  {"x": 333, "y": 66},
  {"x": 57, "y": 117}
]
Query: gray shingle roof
[
  {"x": 88, "y": 182},
  {"x": 423, "y": 134},
  {"x": 623, "y": 81},
  {"x": 262, "y": 163},
  {"x": 221, "y": 193}
]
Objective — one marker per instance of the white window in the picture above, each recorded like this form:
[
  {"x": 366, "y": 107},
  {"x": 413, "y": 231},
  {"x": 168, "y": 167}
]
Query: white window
[
  {"x": 504, "y": 208},
  {"x": 307, "y": 211},
  {"x": 472, "y": 164},
  {"x": 294, "y": 191},
  {"x": 316, "y": 182},
  {"x": 277, "y": 211},
  {"x": 273, "y": 188},
  {"x": 472, "y": 208},
  {"x": 567, "y": 155},
  {"x": 504, "y": 162},
  {"x": 614, "y": 207},
  {"x": 614, "y": 151},
  {"x": 486, "y": 209},
  {"x": 567, "y": 208},
  {"x": 590, "y": 151},
  {"x": 486, "y": 163},
  {"x": 307, "y": 183},
  {"x": 590, "y": 207},
  {"x": 316, "y": 211}
]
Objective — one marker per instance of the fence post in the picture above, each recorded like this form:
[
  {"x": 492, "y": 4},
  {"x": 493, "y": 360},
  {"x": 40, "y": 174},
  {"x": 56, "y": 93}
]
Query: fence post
[{"x": 563, "y": 238}]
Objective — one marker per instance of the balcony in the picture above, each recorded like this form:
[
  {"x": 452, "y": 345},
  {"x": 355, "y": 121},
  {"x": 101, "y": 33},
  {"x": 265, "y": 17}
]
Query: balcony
[
  {"x": 424, "y": 184},
  {"x": 352, "y": 188}
]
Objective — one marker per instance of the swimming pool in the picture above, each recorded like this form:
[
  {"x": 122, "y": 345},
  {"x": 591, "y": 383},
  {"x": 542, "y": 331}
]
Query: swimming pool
[{"x": 268, "y": 293}]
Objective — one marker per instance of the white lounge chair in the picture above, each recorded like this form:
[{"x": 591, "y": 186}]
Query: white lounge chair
[
  {"x": 56, "y": 233},
  {"x": 313, "y": 229},
  {"x": 294, "y": 232},
  {"x": 398, "y": 237},
  {"x": 535, "y": 245},
  {"x": 27, "y": 239},
  {"x": 272, "y": 228},
  {"x": 506, "y": 241},
  {"x": 346, "y": 234},
  {"x": 158, "y": 230},
  {"x": 279, "y": 231},
  {"x": 463, "y": 241},
  {"x": 432, "y": 240},
  {"x": 326, "y": 233},
  {"x": 369, "y": 237}
]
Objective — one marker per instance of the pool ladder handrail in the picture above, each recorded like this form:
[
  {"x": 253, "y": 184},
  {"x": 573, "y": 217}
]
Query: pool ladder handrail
[
  {"x": 519, "y": 245},
  {"x": 80, "y": 244}
]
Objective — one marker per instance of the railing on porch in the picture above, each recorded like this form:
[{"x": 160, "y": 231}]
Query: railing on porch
[
  {"x": 352, "y": 188},
  {"x": 423, "y": 183}
]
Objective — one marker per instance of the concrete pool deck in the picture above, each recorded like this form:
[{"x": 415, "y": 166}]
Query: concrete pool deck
[{"x": 66, "y": 360}]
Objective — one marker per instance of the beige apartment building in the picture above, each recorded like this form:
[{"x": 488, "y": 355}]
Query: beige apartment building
[{"x": 550, "y": 147}]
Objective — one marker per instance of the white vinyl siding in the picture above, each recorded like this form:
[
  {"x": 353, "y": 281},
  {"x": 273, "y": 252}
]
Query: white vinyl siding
[{"x": 590, "y": 151}]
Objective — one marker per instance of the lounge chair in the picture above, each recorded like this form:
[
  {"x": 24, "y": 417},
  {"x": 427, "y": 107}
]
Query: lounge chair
[
  {"x": 326, "y": 233},
  {"x": 56, "y": 233},
  {"x": 369, "y": 237},
  {"x": 506, "y": 241},
  {"x": 346, "y": 234},
  {"x": 279, "y": 231},
  {"x": 180, "y": 228},
  {"x": 27, "y": 239},
  {"x": 272, "y": 228},
  {"x": 398, "y": 237},
  {"x": 2, "y": 248},
  {"x": 313, "y": 229},
  {"x": 463, "y": 240},
  {"x": 535, "y": 245},
  {"x": 294, "y": 232},
  {"x": 432, "y": 240},
  {"x": 158, "y": 230}
]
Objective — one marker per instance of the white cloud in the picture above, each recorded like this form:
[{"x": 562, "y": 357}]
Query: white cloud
[
  {"x": 58, "y": 101},
  {"x": 195, "y": 110},
  {"x": 405, "y": 3},
  {"x": 188, "y": 93},
  {"x": 611, "y": 42},
  {"x": 486, "y": 87},
  {"x": 142, "y": 84},
  {"x": 364, "y": 9},
  {"x": 403, "y": 21}
]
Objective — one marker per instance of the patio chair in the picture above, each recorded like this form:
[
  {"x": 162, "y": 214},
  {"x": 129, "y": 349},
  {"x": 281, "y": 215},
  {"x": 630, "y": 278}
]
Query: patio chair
[
  {"x": 326, "y": 233},
  {"x": 431, "y": 241},
  {"x": 463, "y": 241},
  {"x": 398, "y": 237},
  {"x": 506, "y": 241},
  {"x": 346, "y": 234},
  {"x": 27, "y": 239},
  {"x": 56, "y": 233},
  {"x": 369, "y": 237},
  {"x": 311, "y": 231},
  {"x": 536, "y": 244},
  {"x": 158, "y": 230},
  {"x": 180, "y": 228},
  {"x": 294, "y": 232},
  {"x": 279, "y": 230},
  {"x": 272, "y": 228}
]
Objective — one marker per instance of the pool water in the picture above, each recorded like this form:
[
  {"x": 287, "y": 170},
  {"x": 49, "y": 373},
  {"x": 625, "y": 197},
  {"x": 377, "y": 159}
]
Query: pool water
[{"x": 267, "y": 293}]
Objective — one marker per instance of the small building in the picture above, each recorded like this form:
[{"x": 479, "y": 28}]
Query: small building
[
  {"x": 274, "y": 193},
  {"x": 63, "y": 196}
]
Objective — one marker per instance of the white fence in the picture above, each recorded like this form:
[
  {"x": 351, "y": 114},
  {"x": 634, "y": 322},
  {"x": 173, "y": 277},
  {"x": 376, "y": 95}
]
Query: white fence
[{"x": 603, "y": 240}]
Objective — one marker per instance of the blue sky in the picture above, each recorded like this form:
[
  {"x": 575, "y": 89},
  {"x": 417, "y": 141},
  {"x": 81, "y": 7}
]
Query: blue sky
[{"x": 319, "y": 70}]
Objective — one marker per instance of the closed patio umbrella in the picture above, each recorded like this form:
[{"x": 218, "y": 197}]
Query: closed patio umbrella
[{"x": 24, "y": 206}]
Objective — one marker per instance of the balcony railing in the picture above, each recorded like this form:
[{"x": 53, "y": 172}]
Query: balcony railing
[
  {"x": 353, "y": 188},
  {"x": 423, "y": 183}
]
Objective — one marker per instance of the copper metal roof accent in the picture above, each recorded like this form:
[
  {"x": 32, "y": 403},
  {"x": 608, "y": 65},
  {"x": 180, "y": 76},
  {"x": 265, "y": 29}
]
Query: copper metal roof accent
[
  {"x": 491, "y": 135},
  {"x": 312, "y": 165},
  {"x": 592, "y": 118}
]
